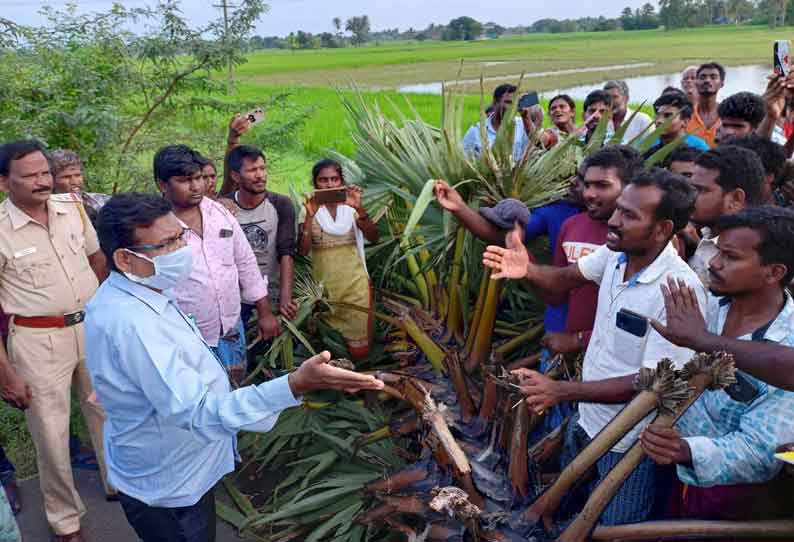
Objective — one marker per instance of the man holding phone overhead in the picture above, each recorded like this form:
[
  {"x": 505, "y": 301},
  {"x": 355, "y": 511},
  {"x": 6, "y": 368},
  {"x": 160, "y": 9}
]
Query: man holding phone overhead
[{"x": 637, "y": 259}]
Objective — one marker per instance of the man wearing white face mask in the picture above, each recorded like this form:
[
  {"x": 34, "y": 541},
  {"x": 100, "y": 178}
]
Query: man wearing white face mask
[{"x": 172, "y": 417}]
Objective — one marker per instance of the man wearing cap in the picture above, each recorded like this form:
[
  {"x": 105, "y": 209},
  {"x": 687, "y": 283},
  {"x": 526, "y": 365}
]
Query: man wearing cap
[
  {"x": 49, "y": 264},
  {"x": 492, "y": 223}
]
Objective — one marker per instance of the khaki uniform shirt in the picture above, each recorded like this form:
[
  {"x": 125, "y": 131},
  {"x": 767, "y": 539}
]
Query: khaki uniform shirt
[{"x": 45, "y": 271}]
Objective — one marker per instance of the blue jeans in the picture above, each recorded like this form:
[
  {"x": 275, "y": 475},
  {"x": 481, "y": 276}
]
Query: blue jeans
[
  {"x": 188, "y": 524},
  {"x": 634, "y": 501},
  {"x": 232, "y": 353}
]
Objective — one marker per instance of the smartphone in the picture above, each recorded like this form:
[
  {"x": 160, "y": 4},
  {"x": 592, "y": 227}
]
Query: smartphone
[
  {"x": 255, "y": 115},
  {"x": 528, "y": 100},
  {"x": 631, "y": 322},
  {"x": 743, "y": 390},
  {"x": 330, "y": 195},
  {"x": 780, "y": 57}
]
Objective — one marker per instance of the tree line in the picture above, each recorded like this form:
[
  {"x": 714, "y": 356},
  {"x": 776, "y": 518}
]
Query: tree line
[{"x": 671, "y": 14}]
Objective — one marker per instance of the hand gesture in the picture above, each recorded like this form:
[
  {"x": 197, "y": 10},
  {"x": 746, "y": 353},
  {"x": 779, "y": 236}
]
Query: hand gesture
[
  {"x": 665, "y": 446},
  {"x": 288, "y": 308},
  {"x": 238, "y": 126},
  {"x": 775, "y": 96},
  {"x": 685, "y": 324},
  {"x": 562, "y": 343},
  {"x": 316, "y": 374},
  {"x": 447, "y": 197},
  {"x": 511, "y": 262},
  {"x": 354, "y": 194},
  {"x": 229, "y": 205},
  {"x": 311, "y": 205},
  {"x": 268, "y": 326},
  {"x": 541, "y": 391},
  {"x": 15, "y": 391}
]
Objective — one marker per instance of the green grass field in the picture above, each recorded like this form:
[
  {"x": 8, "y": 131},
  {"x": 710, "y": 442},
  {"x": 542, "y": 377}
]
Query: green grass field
[{"x": 313, "y": 76}]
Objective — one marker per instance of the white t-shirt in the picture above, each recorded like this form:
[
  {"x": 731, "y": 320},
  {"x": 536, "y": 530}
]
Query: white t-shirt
[
  {"x": 638, "y": 125},
  {"x": 613, "y": 352}
]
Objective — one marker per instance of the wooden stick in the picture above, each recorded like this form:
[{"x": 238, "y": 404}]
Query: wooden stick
[
  {"x": 702, "y": 375},
  {"x": 696, "y": 530},
  {"x": 655, "y": 384}
]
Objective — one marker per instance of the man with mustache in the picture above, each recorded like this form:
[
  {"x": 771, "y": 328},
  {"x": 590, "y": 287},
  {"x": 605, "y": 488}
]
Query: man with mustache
[
  {"x": 621, "y": 112},
  {"x": 50, "y": 264},
  {"x": 727, "y": 179},
  {"x": 224, "y": 271},
  {"x": 740, "y": 115},
  {"x": 502, "y": 103},
  {"x": 597, "y": 104},
  {"x": 705, "y": 119},
  {"x": 638, "y": 257},
  {"x": 724, "y": 445},
  {"x": 605, "y": 174}
]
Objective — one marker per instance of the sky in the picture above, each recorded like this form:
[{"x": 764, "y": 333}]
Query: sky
[{"x": 315, "y": 16}]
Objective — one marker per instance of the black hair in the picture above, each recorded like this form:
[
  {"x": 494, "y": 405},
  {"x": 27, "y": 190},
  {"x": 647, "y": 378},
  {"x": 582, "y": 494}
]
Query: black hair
[
  {"x": 775, "y": 225},
  {"x": 564, "y": 97},
  {"x": 501, "y": 90},
  {"x": 712, "y": 66},
  {"x": 121, "y": 215},
  {"x": 772, "y": 155},
  {"x": 624, "y": 159},
  {"x": 674, "y": 99},
  {"x": 671, "y": 89},
  {"x": 17, "y": 150},
  {"x": 678, "y": 195},
  {"x": 595, "y": 97},
  {"x": 175, "y": 161},
  {"x": 738, "y": 168},
  {"x": 204, "y": 161},
  {"x": 746, "y": 106},
  {"x": 242, "y": 152},
  {"x": 681, "y": 154},
  {"x": 324, "y": 163}
]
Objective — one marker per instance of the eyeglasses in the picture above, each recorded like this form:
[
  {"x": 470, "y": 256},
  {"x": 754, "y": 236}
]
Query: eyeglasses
[{"x": 173, "y": 242}]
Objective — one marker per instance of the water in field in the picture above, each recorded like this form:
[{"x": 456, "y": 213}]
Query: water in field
[
  {"x": 643, "y": 89},
  {"x": 648, "y": 88}
]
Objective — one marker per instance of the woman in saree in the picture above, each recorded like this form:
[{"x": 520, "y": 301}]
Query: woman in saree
[{"x": 334, "y": 234}]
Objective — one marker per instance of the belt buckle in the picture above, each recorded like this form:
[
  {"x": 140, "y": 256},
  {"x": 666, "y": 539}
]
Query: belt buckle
[{"x": 74, "y": 318}]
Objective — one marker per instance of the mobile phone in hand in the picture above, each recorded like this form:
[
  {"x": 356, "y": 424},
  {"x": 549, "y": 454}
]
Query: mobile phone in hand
[
  {"x": 528, "y": 100},
  {"x": 780, "y": 57},
  {"x": 255, "y": 115},
  {"x": 330, "y": 195}
]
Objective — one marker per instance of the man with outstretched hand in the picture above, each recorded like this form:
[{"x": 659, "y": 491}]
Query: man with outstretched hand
[
  {"x": 637, "y": 258},
  {"x": 172, "y": 418}
]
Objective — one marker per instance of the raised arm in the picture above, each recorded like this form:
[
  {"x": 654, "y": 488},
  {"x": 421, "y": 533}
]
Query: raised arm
[
  {"x": 450, "y": 200},
  {"x": 685, "y": 326}
]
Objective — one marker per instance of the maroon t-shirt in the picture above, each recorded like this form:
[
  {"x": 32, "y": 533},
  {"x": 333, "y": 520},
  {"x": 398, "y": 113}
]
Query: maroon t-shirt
[{"x": 579, "y": 236}]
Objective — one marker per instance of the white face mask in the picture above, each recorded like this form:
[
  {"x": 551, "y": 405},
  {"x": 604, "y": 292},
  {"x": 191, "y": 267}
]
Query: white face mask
[{"x": 169, "y": 269}]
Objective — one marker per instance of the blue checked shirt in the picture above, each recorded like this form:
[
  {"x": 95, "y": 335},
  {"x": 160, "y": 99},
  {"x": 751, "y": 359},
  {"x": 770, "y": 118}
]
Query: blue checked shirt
[
  {"x": 734, "y": 442},
  {"x": 172, "y": 418}
]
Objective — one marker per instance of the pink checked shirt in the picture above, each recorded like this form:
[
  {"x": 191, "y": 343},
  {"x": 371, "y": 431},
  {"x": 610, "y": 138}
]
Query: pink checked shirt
[{"x": 224, "y": 273}]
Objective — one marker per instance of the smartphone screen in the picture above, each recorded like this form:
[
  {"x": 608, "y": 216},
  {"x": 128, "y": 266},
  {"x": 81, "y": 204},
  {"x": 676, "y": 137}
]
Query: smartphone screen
[
  {"x": 780, "y": 57},
  {"x": 330, "y": 195},
  {"x": 528, "y": 100}
]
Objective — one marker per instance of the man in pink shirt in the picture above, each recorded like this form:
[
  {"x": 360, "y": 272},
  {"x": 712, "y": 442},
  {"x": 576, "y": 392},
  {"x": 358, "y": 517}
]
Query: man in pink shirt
[{"x": 225, "y": 272}]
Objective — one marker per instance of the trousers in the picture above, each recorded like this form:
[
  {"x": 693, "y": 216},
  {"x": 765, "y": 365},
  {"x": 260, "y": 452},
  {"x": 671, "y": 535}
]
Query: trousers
[
  {"x": 52, "y": 362},
  {"x": 187, "y": 524}
]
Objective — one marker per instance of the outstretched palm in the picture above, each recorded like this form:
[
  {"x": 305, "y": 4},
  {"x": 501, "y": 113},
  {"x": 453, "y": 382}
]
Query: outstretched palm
[{"x": 510, "y": 262}]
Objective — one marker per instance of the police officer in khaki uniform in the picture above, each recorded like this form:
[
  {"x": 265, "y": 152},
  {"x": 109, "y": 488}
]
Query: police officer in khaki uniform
[{"x": 49, "y": 267}]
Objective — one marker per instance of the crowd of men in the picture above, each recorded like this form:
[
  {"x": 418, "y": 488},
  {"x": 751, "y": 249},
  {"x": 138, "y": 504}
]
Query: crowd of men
[
  {"x": 153, "y": 354},
  {"x": 660, "y": 262},
  {"x": 138, "y": 304}
]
